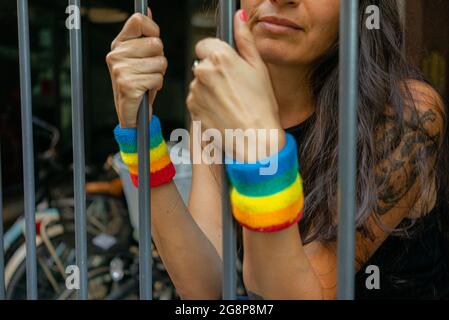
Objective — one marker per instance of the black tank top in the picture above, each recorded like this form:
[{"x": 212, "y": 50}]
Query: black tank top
[{"x": 416, "y": 266}]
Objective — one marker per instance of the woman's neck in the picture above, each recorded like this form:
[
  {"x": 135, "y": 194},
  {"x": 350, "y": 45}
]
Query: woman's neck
[{"x": 293, "y": 94}]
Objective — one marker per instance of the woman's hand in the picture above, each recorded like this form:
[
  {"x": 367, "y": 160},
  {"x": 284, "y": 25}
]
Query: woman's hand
[
  {"x": 232, "y": 91},
  {"x": 137, "y": 65}
]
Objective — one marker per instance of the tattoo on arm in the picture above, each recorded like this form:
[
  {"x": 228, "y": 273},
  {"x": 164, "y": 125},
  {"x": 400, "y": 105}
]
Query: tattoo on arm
[{"x": 399, "y": 168}]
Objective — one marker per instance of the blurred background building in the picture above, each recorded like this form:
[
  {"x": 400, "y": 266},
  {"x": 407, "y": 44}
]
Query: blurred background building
[{"x": 182, "y": 24}]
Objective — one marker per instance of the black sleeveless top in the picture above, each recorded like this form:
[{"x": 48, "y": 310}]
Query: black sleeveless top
[{"x": 413, "y": 267}]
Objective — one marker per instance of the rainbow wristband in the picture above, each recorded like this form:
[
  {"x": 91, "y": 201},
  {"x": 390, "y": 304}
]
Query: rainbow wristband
[
  {"x": 267, "y": 203},
  {"x": 162, "y": 170}
]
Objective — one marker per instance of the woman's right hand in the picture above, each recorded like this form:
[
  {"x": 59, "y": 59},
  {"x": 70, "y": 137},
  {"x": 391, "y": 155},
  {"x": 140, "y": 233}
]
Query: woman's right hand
[{"x": 137, "y": 65}]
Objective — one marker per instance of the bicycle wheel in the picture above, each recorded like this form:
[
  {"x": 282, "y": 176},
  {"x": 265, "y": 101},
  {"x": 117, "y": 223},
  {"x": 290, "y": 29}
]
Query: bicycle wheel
[{"x": 51, "y": 281}]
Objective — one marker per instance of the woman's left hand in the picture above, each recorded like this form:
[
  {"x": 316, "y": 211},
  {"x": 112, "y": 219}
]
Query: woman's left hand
[{"x": 233, "y": 90}]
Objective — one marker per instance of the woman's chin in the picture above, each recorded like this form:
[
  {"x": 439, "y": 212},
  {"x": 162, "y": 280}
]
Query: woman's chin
[
  {"x": 275, "y": 52},
  {"x": 277, "y": 58}
]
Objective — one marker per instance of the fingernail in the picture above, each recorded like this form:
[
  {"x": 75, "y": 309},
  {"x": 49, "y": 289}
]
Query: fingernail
[{"x": 244, "y": 16}]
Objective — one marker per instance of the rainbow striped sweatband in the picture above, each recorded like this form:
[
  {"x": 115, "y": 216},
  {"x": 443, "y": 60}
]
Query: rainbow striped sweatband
[
  {"x": 267, "y": 203},
  {"x": 161, "y": 168}
]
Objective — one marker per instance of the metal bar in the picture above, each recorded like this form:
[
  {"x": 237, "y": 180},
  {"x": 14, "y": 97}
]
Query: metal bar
[
  {"x": 27, "y": 148},
  {"x": 348, "y": 100},
  {"x": 79, "y": 172},
  {"x": 145, "y": 258},
  {"x": 229, "y": 284},
  {"x": 2, "y": 250}
]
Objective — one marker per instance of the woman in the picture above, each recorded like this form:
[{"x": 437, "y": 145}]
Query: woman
[{"x": 285, "y": 77}]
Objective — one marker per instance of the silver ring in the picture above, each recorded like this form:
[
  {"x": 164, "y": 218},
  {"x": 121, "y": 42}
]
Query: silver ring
[{"x": 195, "y": 64}]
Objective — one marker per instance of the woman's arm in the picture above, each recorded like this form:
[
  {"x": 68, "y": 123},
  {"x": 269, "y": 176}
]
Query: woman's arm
[
  {"x": 137, "y": 65},
  {"x": 205, "y": 194},
  {"x": 190, "y": 258},
  {"x": 190, "y": 244},
  {"x": 278, "y": 266}
]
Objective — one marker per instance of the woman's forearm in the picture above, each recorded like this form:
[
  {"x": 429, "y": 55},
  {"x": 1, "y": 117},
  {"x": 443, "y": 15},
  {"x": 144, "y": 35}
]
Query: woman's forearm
[
  {"x": 191, "y": 260},
  {"x": 269, "y": 206},
  {"x": 276, "y": 266}
]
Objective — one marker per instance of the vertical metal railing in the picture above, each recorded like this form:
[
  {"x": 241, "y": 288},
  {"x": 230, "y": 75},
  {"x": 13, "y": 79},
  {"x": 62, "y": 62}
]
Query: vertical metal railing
[
  {"x": 145, "y": 258},
  {"x": 27, "y": 148},
  {"x": 229, "y": 280},
  {"x": 2, "y": 251},
  {"x": 348, "y": 101},
  {"x": 79, "y": 172},
  {"x": 347, "y": 161}
]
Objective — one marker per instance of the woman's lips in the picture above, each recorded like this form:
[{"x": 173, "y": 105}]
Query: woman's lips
[{"x": 278, "y": 25}]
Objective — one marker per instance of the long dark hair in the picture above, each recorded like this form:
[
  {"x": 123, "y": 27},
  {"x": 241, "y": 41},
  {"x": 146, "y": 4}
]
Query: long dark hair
[
  {"x": 384, "y": 80},
  {"x": 384, "y": 94}
]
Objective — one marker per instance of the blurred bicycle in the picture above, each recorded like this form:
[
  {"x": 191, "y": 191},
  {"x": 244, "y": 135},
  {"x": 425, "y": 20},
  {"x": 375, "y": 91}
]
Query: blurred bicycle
[{"x": 112, "y": 249}]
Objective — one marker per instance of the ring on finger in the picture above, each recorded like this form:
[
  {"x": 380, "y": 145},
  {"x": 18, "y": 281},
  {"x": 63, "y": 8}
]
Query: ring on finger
[{"x": 195, "y": 64}]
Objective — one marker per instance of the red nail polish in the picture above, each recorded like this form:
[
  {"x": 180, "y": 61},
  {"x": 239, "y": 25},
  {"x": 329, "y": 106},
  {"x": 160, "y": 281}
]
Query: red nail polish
[{"x": 244, "y": 16}]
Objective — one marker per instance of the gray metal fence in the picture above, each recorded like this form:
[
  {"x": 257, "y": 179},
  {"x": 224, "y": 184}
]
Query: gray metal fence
[
  {"x": 27, "y": 147},
  {"x": 347, "y": 163},
  {"x": 79, "y": 166},
  {"x": 145, "y": 258},
  {"x": 349, "y": 41},
  {"x": 229, "y": 280}
]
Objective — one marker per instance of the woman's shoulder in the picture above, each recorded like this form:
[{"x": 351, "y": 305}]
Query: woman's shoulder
[
  {"x": 424, "y": 98},
  {"x": 409, "y": 145},
  {"x": 421, "y": 88},
  {"x": 420, "y": 116}
]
